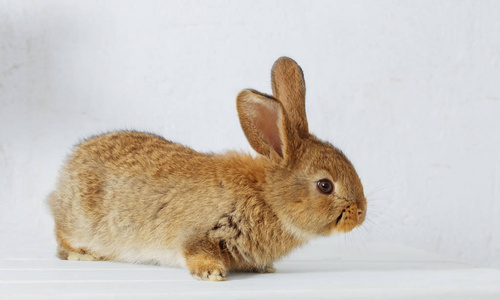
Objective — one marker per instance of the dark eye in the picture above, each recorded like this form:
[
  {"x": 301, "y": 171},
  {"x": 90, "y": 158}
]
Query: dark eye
[{"x": 325, "y": 186}]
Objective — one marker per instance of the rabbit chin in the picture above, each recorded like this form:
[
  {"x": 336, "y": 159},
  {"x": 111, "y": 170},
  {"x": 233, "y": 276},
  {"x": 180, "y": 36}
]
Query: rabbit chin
[
  {"x": 345, "y": 224},
  {"x": 341, "y": 229}
]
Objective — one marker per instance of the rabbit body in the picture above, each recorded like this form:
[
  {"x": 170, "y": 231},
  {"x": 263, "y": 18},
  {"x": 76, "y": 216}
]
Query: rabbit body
[
  {"x": 137, "y": 197},
  {"x": 141, "y": 198}
]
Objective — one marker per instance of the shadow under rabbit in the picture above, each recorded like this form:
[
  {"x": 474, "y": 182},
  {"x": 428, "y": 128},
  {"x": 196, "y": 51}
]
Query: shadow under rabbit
[{"x": 368, "y": 266}]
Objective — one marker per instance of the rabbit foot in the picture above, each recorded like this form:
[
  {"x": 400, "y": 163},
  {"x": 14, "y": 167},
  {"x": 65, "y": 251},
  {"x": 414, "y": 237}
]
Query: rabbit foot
[
  {"x": 262, "y": 269},
  {"x": 205, "y": 260},
  {"x": 206, "y": 268},
  {"x": 80, "y": 257},
  {"x": 68, "y": 253},
  {"x": 266, "y": 269},
  {"x": 207, "y": 273}
]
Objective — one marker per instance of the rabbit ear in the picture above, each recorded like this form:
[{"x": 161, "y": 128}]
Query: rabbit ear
[
  {"x": 265, "y": 124},
  {"x": 289, "y": 87}
]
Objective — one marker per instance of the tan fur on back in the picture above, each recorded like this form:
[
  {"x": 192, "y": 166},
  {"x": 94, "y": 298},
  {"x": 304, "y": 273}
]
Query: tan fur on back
[{"x": 136, "y": 197}]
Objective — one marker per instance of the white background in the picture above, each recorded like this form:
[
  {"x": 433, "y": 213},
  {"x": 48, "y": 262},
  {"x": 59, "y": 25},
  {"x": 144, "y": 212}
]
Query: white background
[{"x": 410, "y": 90}]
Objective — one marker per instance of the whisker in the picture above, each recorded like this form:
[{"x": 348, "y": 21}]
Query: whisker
[
  {"x": 378, "y": 213},
  {"x": 376, "y": 229},
  {"x": 382, "y": 188}
]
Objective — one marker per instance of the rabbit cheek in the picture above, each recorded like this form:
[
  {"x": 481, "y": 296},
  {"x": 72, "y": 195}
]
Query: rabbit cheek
[{"x": 314, "y": 217}]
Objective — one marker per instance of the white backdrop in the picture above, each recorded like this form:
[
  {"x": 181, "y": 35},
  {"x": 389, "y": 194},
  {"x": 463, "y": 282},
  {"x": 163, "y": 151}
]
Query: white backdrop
[{"x": 410, "y": 90}]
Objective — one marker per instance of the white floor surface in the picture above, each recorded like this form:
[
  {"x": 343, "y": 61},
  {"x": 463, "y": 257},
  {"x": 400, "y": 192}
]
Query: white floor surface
[{"x": 318, "y": 271}]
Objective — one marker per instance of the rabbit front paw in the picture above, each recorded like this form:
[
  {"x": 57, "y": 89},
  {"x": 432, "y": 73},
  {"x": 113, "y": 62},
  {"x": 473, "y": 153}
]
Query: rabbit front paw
[
  {"x": 204, "y": 261},
  {"x": 211, "y": 273}
]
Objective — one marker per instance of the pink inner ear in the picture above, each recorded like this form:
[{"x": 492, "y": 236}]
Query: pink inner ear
[{"x": 266, "y": 122}]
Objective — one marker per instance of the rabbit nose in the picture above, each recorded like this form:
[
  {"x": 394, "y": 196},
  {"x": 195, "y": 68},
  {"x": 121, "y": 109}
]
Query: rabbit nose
[{"x": 360, "y": 215}]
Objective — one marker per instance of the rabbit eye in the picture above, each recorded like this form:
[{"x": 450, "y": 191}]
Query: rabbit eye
[{"x": 325, "y": 186}]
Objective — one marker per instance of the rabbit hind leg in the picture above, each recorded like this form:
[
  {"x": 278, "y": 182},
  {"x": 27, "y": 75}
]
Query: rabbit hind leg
[{"x": 66, "y": 252}]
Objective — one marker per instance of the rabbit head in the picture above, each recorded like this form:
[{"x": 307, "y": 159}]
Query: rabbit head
[{"x": 310, "y": 184}]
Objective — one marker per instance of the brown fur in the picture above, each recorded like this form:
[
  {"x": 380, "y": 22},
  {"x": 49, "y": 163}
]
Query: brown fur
[{"x": 137, "y": 197}]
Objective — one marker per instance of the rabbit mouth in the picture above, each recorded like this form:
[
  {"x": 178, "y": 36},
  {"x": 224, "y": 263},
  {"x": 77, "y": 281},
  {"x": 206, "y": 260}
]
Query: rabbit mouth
[{"x": 339, "y": 217}]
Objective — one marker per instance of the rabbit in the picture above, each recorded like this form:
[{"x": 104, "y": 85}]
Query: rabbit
[{"x": 136, "y": 197}]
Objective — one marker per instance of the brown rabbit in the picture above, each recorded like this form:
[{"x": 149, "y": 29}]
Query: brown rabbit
[{"x": 136, "y": 197}]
